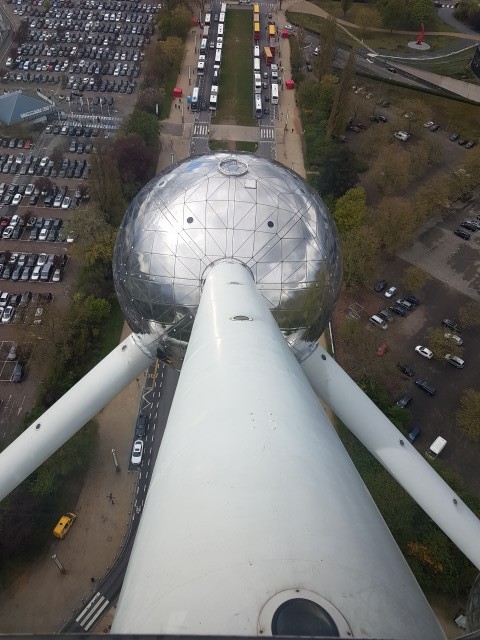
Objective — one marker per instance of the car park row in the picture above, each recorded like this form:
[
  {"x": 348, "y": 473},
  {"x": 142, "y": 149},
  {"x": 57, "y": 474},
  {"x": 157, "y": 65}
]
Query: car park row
[{"x": 33, "y": 267}]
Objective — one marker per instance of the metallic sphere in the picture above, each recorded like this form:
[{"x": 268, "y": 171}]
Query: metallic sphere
[{"x": 221, "y": 205}]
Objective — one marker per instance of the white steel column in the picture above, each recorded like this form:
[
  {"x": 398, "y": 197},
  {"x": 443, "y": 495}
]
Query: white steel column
[
  {"x": 393, "y": 450},
  {"x": 253, "y": 496},
  {"x": 69, "y": 414}
]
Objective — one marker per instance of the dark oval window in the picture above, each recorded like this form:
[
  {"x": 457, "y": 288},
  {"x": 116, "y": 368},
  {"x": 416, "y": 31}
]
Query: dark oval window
[{"x": 302, "y": 617}]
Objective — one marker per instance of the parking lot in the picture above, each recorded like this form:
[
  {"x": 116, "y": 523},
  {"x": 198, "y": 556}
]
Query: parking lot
[{"x": 454, "y": 268}]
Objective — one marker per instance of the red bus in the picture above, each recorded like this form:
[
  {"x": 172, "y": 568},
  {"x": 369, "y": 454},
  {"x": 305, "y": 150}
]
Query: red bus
[
  {"x": 256, "y": 31},
  {"x": 272, "y": 46},
  {"x": 267, "y": 54}
]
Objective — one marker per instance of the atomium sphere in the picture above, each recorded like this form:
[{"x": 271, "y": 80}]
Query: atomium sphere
[{"x": 221, "y": 205}]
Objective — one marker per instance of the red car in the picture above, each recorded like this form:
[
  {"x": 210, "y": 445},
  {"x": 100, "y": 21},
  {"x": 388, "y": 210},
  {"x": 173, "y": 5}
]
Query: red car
[
  {"x": 27, "y": 144},
  {"x": 383, "y": 348}
]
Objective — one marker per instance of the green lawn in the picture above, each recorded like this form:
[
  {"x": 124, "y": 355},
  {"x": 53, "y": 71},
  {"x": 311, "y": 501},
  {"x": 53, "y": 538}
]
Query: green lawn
[
  {"x": 230, "y": 145},
  {"x": 235, "y": 95},
  {"x": 373, "y": 39}
]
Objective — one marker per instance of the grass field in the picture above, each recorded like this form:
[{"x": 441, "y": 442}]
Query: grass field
[
  {"x": 235, "y": 102},
  {"x": 376, "y": 40}
]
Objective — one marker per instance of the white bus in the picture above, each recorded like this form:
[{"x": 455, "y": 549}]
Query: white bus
[
  {"x": 222, "y": 18},
  {"x": 274, "y": 97},
  {"x": 258, "y": 105},
  {"x": 220, "y": 30},
  {"x": 218, "y": 56},
  {"x": 213, "y": 101},
  {"x": 223, "y": 7},
  {"x": 206, "y": 31},
  {"x": 214, "y": 89},
  {"x": 207, "y": 18},
  {"x": 274, "y": 71},
  {"x": 256, "y": 65},
  {"x": 201, "y": 68},
  {"x": 194, "y": 104},
  {"x": 258, "y": 82},
  {"x": 203, "y": 45},
  {"x": 256, "y": 52}
]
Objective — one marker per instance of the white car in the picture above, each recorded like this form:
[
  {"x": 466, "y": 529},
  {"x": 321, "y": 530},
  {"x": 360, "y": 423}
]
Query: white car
[
  {"x": 402, "y": 135},
  {"x": 57, "y": 275},
  {"x": 454, "y": 337},
  {"x": 137, "y": 452},
  {"x": 423, "y": 351},
  {"x": 66, "y": 202},
  {"x": 30, "y": 188},
  {"x": 8, "y": 314},
  {"x": 44, "y": 161},
  {"x": 390, "y": 292},
  {"x": 288, "y": 27},
  {"x": 43, "y": 234},
  {"x": 7, "y": 234},
  {"x": 17, "y": 198},
  {"x": 428, "y": 124}
]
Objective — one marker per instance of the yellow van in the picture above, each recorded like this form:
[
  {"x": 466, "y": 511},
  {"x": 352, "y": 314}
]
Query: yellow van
[{"x": 64, "y": 525}]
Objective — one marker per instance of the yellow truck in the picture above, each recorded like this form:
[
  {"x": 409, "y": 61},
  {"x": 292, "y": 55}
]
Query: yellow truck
[{"x": 64, "y": 524}]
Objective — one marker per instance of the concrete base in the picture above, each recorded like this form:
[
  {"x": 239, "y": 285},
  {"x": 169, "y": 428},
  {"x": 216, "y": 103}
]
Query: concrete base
[{"x": 418, "y": 47}]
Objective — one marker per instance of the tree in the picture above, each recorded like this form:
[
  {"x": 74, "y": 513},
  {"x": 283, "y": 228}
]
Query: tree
[
  {"x": 104, "y": 184},
  {"x": 469, "y": 315},
  {"x": 440, "y": 345},
  {"x": 394, "y": 223},
  {"x": 146, "y": 126},
  {"x": 468, "y": 416},
  {"x": 149, "y": 99},
  {"x": 391, "y": 172},
  {"x": 419, "y": 11},
  {"x": 350, "y": 210},
  {"x": 414, "y": 279},
  {"x": 418, "y": 113},
  {"x": 394, "y": 13},
  {"x": 43, "y": 184},
  {"x": 374, "y": 140},
  {"x": 135, "y": 161},
  {"x": 345, "y": 4},
  {"x": 95, "y": 239},
  {"x": 337, "y": 170},
  {"x": 56, "y": 156},
  {"x": 360, "y": 249},
  {"x": 343, "y": 97},
  {"x": 323, "y": 61},
  {"x": 431, "y": 196}
]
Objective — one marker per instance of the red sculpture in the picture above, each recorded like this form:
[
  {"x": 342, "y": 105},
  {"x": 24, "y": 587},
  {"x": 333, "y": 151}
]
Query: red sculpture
[{"x": 420, "y": 36}]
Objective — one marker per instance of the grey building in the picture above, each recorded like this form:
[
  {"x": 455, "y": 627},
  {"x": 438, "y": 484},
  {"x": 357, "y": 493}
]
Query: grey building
[{"x": 19, "y": 106}]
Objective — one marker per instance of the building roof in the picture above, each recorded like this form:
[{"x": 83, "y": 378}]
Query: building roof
[{"x": 18, "y": 106}]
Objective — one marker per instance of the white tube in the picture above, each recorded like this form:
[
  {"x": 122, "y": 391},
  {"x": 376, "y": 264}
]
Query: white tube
[
  {"x": 253, "y": 501},
  {"x": 69, "y": 414},
  {"x": 394, "y": 452}
]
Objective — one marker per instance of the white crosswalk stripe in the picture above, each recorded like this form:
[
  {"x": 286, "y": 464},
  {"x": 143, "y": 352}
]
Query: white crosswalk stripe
[
  {"x": 267, "y": 133},
  {"x": 200, "y": 130},
  {"x": 92, "y": 611}
]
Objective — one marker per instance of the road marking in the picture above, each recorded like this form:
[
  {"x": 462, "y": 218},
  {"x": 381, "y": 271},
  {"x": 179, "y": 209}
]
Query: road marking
[
  {"x": 93, "y": 610},
  {"x": 267, "y": 133},
  {"x": 200, "y": 130}
]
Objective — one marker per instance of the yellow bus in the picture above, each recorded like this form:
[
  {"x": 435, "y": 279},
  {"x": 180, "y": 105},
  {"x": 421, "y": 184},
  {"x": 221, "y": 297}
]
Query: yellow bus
[
  {"x": 271, "y": 31},
  {"x": 256, "y": 7}
]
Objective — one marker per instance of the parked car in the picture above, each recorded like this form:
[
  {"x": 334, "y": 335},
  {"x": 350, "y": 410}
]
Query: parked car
[
  {"x": 404, "y": 368},
  {"x": 8, "y": 314},
  {"x": 404, "y": 402},
  {"x": 390, "y": 292},
  {"x": 380, "y": 286},
  {"x": 462, "y": 234},
  {"x": 411, "y": 299},
  {"x": 453, "y": 360},
  {"x": 18, "y": 372},
  {"x": 451, "y": 324},
  {"x": 413, "y": 434},
  {"x": 396, "y": 308},
  {"x": 142, "y": 424},
  {"x": 424, "y": 351},
  {"x": 383, "y": 348},
  {"x": 137, "y": 452},
  {"x": 454, "y": 337},
  {"x": 385, "y": 315},
  {"x": 426, "y": 386}
]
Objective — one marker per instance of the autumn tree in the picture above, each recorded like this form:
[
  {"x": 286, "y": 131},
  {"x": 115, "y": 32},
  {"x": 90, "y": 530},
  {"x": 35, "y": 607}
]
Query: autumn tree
[
  {"x": 104, "y": 184},
  {"x": 418, "y": 113},
  {"x": 323, "y": 61},
  {"x": 43, "y": 184},
  {"x": 414, "y": 279},
  {"x": 469, "y": 315},
  {"x": 440, "y": 345},
  {"x": 468, "y": 416},
  {"x": 432, "y": 195},
  {"x": 135, "y": 161},
  {"x": 394, "y": 223},
  {"x": 337, "y": 169},
  {"x": 350, "y": 210},
  {"x": 56, "y": 156},
  {"x": 150, "y": 99},
  {"x": 374, "y": 140},
  {"x": 360, "y": 249},
  {"x": 341, "y": 105},
  {"x": 391, "y": 171}
]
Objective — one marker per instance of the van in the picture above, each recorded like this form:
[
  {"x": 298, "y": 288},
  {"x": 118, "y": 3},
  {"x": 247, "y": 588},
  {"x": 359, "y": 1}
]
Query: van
[
  {"x": 379, "y": 322},
  {"x": 64, "y": 524},
  {"x": 274, "y": 72},
  {"x": 46, "y": 272},
  {"x": 436, "y": 448},
  {"x": 203, "y": 45}
]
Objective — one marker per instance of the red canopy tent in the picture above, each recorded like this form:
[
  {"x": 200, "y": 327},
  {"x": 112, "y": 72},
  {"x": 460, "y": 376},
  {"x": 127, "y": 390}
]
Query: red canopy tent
[
  {"x": 290, "y": 84},
  {"x": 285, "y": 34},
  {"x": 177, "y": 92}
]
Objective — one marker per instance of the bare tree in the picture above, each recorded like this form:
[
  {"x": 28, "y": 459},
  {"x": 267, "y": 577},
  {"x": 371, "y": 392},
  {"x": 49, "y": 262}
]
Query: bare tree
[
  {"x": 326, "y": 54},
  {"x": 343, "y": 98}
]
